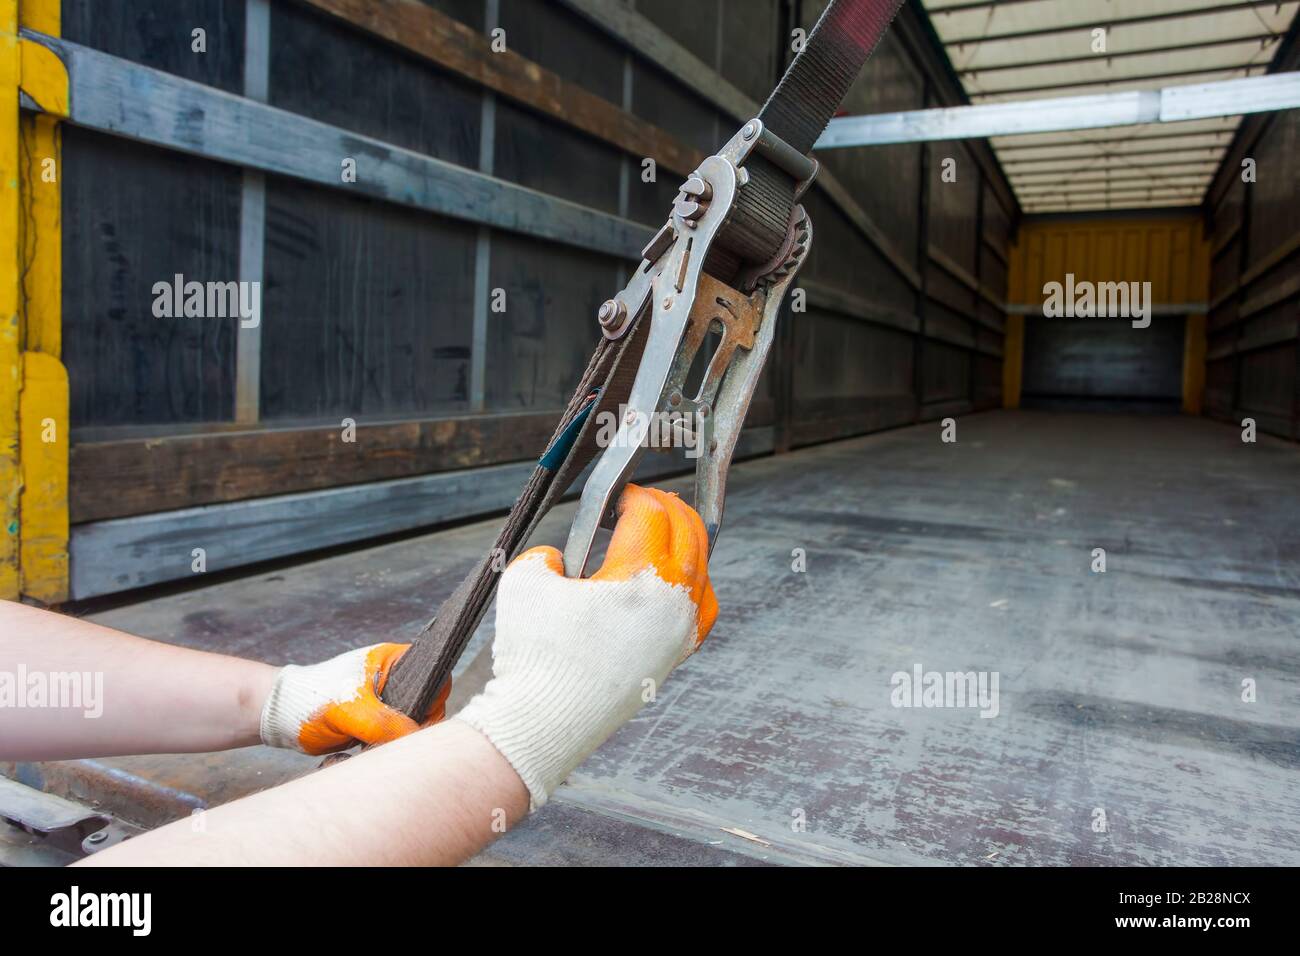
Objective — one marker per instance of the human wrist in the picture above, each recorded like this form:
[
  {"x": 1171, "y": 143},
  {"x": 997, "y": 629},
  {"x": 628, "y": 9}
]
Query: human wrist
[
  {"x": 542, "y": 737},
  {"x": 255, "y": 686}
]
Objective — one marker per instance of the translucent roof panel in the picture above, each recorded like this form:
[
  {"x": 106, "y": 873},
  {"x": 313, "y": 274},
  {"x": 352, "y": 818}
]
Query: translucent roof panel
[{"x": 1012, "y": 50}]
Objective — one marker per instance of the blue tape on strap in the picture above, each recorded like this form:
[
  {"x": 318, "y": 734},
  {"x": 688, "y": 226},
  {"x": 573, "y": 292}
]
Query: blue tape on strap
[{"x": 563, "y": 443}]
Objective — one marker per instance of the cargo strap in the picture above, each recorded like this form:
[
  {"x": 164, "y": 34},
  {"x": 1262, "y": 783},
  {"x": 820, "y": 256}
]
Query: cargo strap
[{"x": 754, "y": 240}]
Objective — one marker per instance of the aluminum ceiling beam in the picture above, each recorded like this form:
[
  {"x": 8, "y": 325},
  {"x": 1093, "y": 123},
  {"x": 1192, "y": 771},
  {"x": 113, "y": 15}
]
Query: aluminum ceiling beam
[{"x": 1172, "y": 104}]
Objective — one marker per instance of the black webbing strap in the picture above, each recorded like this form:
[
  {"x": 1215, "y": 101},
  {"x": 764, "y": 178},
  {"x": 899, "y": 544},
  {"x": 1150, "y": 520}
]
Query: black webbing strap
[
  {"x": 820, "y": 75},
  {"x": 798, "y": 110}
]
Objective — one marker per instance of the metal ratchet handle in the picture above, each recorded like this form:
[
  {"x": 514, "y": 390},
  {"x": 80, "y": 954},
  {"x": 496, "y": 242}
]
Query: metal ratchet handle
[
  {"x": 664, "y": 365},
  {"x": 738, "y": 387}
]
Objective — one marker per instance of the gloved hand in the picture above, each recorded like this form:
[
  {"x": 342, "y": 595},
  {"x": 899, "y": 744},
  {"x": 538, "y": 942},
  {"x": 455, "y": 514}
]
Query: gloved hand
[
  {"x": 572, "y": 656},
  {"x": 330, "y": 706}
]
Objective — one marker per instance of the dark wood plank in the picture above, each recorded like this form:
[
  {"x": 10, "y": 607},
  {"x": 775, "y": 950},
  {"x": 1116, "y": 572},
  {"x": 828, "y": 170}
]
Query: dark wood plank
[
  {"x": 133, "y": 216},
  {"x": 428, "y": 33},
  {"x": 157, "y": 34},
  {"x": 114, "y": 479},
  {"x": 135, "y": 102},
  {"x": 1273, "y": 258}
]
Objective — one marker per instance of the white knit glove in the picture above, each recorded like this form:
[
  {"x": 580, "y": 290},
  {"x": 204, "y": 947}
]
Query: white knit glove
[
  {"x": 333, "y": 705},
  {"x": 573, "y": 658}
]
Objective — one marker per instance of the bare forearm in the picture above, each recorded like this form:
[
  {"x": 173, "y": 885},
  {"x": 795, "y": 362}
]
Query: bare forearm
[
  {"x": 82, "y": 690},
  {"x": 433, "y": 798}
]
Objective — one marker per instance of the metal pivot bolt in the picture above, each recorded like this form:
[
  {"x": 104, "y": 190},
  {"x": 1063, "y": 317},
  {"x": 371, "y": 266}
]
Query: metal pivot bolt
[
  {"x": 611, "y": 313},
  {"x": 693, "y": 199},
  {"x": 750, "y": 131}
]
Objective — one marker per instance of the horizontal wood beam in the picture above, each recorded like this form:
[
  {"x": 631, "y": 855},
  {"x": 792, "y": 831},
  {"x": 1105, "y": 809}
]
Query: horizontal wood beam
[
  {"x": 122, "y": 98},
  {"x": 1222, "y": 240},
  {"x": 440, "y": 39},
  {"x": 851, "y": 306},
  {"x": 1254, "y": 340},
  {"x": 114, "y": 479},
  {"x": 649, "y": 41},
  {"x": 995, "y": 326},
  {"x": 945, "y": 407},
  {"x": 1226, "y": 293},
  {"x": 1271, "y": 259},
  {"x": 828, "y": 419},
  {"x": 999, "y": 251},
  {"x": 878, "y": 237},
  {"x": 946, "y": 262},
  {"x": 942, "y": 333},
  {"x": 124, "y": 553},
  {"x": 1270, "y": 297}
]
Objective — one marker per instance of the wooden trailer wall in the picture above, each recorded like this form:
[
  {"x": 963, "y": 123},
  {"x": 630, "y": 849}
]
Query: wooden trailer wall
[
  {"x": 482, "y": 179},
  {"x": 1253, "y": 355}
]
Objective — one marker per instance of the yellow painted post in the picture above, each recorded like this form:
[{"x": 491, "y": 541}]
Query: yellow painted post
[
  {"x": 43, "y": 15},
  {"x": 43, "y": 399},
  {"x": 10, "y": 277},
  {"x": 43, "y": 560},
  {"x": 42, "y": 229}
]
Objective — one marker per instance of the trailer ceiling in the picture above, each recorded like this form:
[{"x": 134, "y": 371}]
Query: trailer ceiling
[{"x": 1037, "y": 49}]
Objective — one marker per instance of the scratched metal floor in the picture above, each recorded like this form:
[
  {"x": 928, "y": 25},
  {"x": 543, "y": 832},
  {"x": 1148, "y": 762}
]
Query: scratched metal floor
[{"x": 1119, "y": 693}]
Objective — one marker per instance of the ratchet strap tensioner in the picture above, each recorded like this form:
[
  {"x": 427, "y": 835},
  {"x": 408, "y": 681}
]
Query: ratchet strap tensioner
[{"x": 722, "y": 262}]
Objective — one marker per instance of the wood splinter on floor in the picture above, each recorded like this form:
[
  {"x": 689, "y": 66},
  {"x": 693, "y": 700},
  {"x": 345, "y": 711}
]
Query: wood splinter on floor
[{"x": 745, "y": 835}]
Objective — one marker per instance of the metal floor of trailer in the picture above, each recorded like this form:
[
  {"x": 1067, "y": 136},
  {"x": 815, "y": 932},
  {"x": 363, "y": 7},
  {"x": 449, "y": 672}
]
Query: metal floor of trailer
[{"x": 1120, "y": 693}]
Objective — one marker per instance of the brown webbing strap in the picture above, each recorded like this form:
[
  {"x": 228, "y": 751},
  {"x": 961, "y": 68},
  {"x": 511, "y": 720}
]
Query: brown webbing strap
[{"x": 417, "y": 677}]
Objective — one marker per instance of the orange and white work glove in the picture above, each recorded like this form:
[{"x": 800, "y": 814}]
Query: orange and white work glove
[
  {"x": 331, "y": 706},
  {"x": 572, "y": 656}
]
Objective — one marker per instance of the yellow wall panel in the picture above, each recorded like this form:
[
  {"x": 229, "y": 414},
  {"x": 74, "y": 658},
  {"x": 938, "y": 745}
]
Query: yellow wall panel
[{"x": 1171, "y": 254}]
